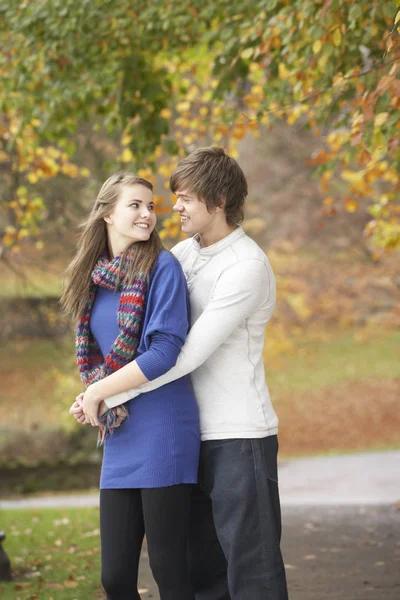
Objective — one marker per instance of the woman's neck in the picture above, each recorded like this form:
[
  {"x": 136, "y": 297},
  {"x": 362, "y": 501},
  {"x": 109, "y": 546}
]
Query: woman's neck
[{"x": 116, "y": 247}]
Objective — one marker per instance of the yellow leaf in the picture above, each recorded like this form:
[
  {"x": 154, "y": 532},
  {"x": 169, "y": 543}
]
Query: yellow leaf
[
  {"x": 337, "y": 37},
  {"x": 22, "y": 233},
  {"x": 397, "y": 18},
  {"x": 85, "y": 172},
  {"x": 328, "y": 200},
  {"x": 183, "y": 106},
  {"x": 338, "y": 79},
  {"x": 317, "y": 45},
  {"x": 297, "y": 303},
  {"x": 165, "y": 170},
  {"x": 166, "y": 113},
  {"x": 239, "y": 132},
  {"x": 351, "y": 206},
  {"x": 70, "y": 170},
  {"x": 145, "y": 173},
  {"x": 390, "y": 43},
  {"x": 257, "y": 89},
  {"x": 247, "y": 53},
  {"x": 127, "y": 156},
  {"x": 254, "y": 226},
  {"x": 32, "y": 178},
  {"x": 22, "y": 191},
  {"x": 126, "y": 139},
  {"x": 352, "y": 176},
  {"x": 381, "y": 119},
  {"x": 323, "y": 61},
  {"x": 283, "y": 72}
]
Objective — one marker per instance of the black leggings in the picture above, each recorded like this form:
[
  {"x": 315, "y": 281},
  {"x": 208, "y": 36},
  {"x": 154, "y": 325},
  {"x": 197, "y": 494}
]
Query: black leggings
[{"x": 125, "y": 515}]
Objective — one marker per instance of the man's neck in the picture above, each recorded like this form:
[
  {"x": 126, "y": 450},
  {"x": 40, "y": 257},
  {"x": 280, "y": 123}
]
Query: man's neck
[{"x": 214, "y": 235}]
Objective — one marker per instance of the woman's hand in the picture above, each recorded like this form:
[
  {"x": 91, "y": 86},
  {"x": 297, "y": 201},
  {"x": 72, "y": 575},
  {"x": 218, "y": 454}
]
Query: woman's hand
[
  {"x": 76, "y": 409},
  {"x": 90, "y": 405}
]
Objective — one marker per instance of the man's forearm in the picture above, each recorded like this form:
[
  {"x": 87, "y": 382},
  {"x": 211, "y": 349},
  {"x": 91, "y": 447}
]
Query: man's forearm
[
  {"x": 129, "y": 376},
  {"x": 182, "y": 367},
  {"x": 233, "y": 302}
]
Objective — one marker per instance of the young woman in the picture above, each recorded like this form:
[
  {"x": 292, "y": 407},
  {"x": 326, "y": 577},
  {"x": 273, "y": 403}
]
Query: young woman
[{"x": 129, "y": 299}]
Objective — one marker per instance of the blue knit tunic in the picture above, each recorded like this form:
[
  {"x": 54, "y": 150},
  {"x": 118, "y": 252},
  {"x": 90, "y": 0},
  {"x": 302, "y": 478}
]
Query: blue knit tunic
[{"x": 158, "y": 444}]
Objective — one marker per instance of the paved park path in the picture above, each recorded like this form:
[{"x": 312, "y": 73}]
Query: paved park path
[{"x": 341, "y": 527}]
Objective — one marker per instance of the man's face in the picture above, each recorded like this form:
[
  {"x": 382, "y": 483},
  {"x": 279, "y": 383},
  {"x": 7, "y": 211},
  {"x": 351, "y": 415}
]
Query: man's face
[{"x": 195, "y": 217}]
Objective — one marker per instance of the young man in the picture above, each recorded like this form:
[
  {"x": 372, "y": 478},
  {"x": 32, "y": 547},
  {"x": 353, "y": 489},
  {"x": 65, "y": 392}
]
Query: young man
[{"x": 236, "y": 521}]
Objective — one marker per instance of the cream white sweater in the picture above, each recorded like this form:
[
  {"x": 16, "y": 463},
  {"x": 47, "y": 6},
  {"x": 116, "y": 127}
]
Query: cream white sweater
[{"x": 232, "y": 297}]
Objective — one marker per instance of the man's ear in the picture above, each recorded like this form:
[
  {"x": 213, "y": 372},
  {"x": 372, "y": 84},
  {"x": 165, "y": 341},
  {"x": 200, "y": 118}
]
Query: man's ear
[{"x": 221, "y": 206}]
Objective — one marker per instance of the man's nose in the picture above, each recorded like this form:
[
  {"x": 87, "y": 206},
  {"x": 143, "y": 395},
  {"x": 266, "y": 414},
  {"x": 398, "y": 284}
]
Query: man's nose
[{"x": 177, "y": 206}]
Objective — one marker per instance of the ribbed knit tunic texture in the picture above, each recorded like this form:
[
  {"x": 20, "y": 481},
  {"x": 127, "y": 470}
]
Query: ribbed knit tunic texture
[{"x": 158, "y": 444}]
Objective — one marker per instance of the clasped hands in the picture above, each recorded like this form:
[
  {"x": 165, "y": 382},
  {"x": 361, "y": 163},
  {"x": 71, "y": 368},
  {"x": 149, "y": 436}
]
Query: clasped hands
[{"x": 88, "y": 407}]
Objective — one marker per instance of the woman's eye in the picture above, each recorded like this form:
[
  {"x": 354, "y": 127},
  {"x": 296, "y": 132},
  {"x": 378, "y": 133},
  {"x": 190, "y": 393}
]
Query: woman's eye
[
  {"x": 151, "y": 208},
  {"x": 135, "y": 205}
]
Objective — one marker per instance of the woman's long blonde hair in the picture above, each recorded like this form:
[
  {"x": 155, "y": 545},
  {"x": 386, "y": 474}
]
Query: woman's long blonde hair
[{"x": 93, "y": 242}]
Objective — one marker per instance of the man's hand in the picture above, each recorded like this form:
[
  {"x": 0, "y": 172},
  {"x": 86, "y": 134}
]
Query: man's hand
[{"x": 102, "y": 408}]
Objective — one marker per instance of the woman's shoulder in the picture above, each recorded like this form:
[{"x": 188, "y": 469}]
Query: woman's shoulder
[{"x": 167, "y": 263}]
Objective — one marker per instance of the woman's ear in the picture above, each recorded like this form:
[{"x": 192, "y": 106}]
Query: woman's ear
[{"x": 108, "y": 220}]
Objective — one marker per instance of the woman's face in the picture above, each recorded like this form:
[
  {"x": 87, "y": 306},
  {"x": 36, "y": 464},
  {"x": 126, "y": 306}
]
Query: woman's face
[{"x": 133, "y": 217}]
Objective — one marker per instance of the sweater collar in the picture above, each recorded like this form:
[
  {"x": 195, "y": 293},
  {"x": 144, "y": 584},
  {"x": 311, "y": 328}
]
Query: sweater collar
[{"x": 220, "y": 245}]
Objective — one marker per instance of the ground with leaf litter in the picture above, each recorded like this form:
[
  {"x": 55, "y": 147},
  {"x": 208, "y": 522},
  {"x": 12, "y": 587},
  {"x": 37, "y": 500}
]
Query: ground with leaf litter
[
  {"x": 334, "y": 554},
  {"x": 330, "y": 554}
]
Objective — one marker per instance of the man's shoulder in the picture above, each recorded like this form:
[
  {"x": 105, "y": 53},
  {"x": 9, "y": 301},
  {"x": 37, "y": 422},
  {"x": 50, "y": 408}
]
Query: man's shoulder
[
  {"x": 181, "y": 248},
  {"x": 245, "y": 248}
]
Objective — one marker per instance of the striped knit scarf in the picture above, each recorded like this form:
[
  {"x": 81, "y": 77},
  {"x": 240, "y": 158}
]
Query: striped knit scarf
[{"x": 91, "y": 363}]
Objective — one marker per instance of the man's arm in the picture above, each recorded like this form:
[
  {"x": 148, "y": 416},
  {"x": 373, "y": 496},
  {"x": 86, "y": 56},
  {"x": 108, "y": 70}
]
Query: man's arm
[{"x": 239, "y": 292}]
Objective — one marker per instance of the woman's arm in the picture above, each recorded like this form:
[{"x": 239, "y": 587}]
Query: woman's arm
[{"x": 164, "y": 335}]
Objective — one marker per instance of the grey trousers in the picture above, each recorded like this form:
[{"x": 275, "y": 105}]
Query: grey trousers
[{"x": 235, "y": 525}]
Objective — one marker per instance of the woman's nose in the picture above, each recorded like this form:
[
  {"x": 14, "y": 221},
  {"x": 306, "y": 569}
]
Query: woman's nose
[{"x": 145, "y": 213}]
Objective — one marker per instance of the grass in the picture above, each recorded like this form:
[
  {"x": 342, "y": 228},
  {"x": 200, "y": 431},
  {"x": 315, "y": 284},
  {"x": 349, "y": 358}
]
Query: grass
[
  {"x": 337, "y": 393},
  {"x": 41, "y": 284},
  {"x": 55, "y": 554},
  {"x": 333, "y": 392},
  {"x": 349, "y": 356},
  {"x": 53, "y": 379}
]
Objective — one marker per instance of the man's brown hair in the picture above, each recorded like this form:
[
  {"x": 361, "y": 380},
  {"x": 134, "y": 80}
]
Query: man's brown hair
[{"x": 213, "y": 176}]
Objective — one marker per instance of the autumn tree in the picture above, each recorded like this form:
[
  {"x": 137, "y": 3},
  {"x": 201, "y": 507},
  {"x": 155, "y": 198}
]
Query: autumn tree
[{"x": 167, "y": 76}]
